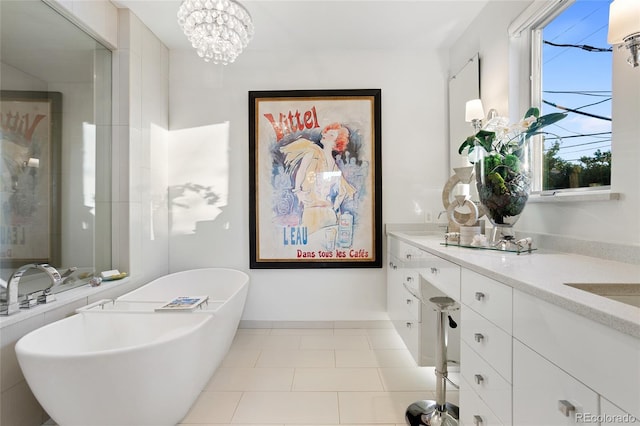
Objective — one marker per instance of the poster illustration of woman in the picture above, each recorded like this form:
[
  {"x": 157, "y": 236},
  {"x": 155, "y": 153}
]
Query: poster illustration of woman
[
  {"x": 30, "y": 132},
  {"x": 316, "y": 195}
]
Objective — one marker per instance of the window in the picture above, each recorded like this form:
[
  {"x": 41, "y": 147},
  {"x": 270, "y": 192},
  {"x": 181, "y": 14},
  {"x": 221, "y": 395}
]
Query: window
[{"x": 573, "y": 75}]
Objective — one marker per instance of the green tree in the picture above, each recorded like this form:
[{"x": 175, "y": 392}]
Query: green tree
[
  {"x": 556, "y": 172},
  {"x": 592, "y": 171},
  {"x": 596, "y": 170}
]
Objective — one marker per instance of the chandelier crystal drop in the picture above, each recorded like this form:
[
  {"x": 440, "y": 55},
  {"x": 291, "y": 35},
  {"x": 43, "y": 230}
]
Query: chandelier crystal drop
[{"x": 218, "y": 29}]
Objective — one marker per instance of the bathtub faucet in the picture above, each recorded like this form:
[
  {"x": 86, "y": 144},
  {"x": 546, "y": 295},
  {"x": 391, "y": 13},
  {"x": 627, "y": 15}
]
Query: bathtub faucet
[{"x": 14, "y": 281}]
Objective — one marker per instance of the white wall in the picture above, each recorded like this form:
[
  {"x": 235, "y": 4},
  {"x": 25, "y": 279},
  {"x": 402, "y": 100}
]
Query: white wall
[
  {"x": 487, "y": 35},
  {"x": 140, "y": 166},
  {"x": 413, "y": 139},
  {"x": 602, "y": 221}
]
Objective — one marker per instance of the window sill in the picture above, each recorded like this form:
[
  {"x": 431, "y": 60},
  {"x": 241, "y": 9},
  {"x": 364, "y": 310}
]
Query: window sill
[{"x": 574, "y": 197}]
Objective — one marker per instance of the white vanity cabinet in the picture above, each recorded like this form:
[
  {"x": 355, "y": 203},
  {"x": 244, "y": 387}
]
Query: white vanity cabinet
[
  {"x": 614, "y": 415},
  {"x": 530, "y": 354},
  {"x": 544, "y": 394},
  {"x": 403, "y": 284},
  {"x": 485, "y": 393},
  {"x": 413, "y": 276},
  {"x": 583, "y": 358},
  {"x": 473, "y": 410}
]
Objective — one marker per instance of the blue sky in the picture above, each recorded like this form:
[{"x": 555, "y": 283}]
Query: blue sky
[{"x": 569, "y": 69}]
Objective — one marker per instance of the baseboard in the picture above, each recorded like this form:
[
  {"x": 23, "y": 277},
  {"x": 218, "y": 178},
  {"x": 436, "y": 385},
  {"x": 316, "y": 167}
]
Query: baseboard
[{"x": 372, "y": 324}]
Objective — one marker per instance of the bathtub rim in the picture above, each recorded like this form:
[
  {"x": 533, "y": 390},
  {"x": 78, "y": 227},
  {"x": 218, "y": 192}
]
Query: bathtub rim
[
  {"x": 19, "y": 347},
  {"x": 240, "y": 287}
]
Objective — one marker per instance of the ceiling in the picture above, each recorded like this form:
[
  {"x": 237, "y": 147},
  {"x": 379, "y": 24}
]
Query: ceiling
[
  {"x": 330, "y": 24},
  {"x": 64, "y": 53}
]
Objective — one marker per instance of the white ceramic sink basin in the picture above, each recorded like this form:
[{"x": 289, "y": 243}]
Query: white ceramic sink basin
[{"x": 628, "y": 293}]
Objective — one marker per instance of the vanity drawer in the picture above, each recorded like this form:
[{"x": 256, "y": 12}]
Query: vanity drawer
[
  {"x": 411, "y": 294},
  {"x": 404, "y": 251},
  {"x": 413, "y": 307},
  {"x": 490, "y": 386},
  {"x": 488, "y": 340},
  {"x": 543, "y": 391},
  {"x": 473, "y": 411},
  {"x": 489, "y": 298},
  {"x": 409, "y": 331},
  {"x": 411, "y": 279},
  {"x": 602, "y": 358},
  {"x": 442, "y": 274},
  {"x": 615, "y": 416}
]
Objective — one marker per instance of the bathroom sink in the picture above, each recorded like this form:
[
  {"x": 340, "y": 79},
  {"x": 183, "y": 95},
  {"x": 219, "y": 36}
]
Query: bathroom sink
[{"x": 628, "y": 293}]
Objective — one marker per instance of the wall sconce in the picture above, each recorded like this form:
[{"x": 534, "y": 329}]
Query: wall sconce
[
  {"x": 474, "y": 113},
  {"x": 624, "y": 27},
  {"x": 32, "y": 162}
]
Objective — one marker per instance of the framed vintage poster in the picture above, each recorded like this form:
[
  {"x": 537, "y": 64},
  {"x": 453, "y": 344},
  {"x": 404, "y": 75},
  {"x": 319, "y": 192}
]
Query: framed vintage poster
[
  {"x": 314, "y": 179},
  {"x": 30, "y": 126}
]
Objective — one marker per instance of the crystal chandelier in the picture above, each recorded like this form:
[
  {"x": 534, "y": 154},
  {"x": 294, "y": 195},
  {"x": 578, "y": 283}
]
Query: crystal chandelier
[{"x": 218, "y": 29}]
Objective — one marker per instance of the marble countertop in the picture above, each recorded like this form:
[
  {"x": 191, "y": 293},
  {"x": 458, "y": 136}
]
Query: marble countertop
[{"x": 543, "y": 273}]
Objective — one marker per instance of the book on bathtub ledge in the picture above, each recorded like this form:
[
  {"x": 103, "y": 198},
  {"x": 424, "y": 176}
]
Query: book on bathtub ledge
[{"x": 183, "y": 303}]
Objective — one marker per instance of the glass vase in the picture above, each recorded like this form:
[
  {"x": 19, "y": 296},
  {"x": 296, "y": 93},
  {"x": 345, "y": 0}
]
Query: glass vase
[{"x": 503, "y": 180}]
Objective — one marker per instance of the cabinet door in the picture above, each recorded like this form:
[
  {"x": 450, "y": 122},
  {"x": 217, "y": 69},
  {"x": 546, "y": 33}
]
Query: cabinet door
[
  {"x": 543, "y": 394},
  {"x": 604, "y": 359},
  {"x": 611, "y": 415}
]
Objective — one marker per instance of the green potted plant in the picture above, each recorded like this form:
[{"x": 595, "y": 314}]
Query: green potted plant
[{"x": 500, "y": 154}]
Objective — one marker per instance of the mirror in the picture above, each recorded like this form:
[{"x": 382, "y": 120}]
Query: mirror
[
  {"x": 463, "y": 86},
  {"x": 55, "y": 128}
]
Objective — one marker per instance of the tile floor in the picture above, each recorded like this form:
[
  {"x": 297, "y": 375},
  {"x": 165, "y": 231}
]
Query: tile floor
[{"x": 290, "y": 377}]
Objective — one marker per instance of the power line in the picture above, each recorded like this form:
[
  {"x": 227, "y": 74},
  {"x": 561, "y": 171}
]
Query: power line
[
  {"x": 570, "y": 131},
  {"x": 576, "y": 111},
  {"x": 580, "y": 46},
  {"x": 594, "y": 103},
  {"x": 580, "y": 92},
  {"x": 584, "y": 144},
  {"x": 577, "y": 135},
  {"x": 578, "y": 159}
]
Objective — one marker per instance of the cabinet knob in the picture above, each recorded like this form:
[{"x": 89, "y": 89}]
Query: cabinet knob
[
  {"x": 392, "y": 265},
  {"x": 566, "y": 408},
  {"x": 479, "y": 379},
  {"x": 434, "y": 270},
  {"x": 409, "y": 324},
  {"x": 409, "y": 279},
  {"x": 479, "y": 296},
  {"x": 477, "y": 420},
  {"x": 479, "y": 337},
  {"x": 409, "y": 301},
  {"x": 409, "y": 256}
]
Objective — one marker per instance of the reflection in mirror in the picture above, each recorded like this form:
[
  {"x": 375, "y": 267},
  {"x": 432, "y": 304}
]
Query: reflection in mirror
[
  {"x": 55, "y": 130},
  {"x": 463, "y": 86}
]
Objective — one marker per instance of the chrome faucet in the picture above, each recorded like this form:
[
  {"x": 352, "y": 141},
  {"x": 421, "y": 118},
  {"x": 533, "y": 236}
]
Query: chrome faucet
[{"x": 12, "y": 286}]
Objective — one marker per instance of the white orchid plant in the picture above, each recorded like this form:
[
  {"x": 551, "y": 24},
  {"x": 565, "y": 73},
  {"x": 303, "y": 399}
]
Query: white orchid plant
[{"x": 503, "y": 187}]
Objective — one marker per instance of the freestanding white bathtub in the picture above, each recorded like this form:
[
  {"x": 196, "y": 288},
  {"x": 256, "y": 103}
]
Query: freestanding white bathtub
[{"x": 132, "y": 366}]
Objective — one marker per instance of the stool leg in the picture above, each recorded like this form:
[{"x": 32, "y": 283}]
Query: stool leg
[{"x": 438, "y": 412}]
